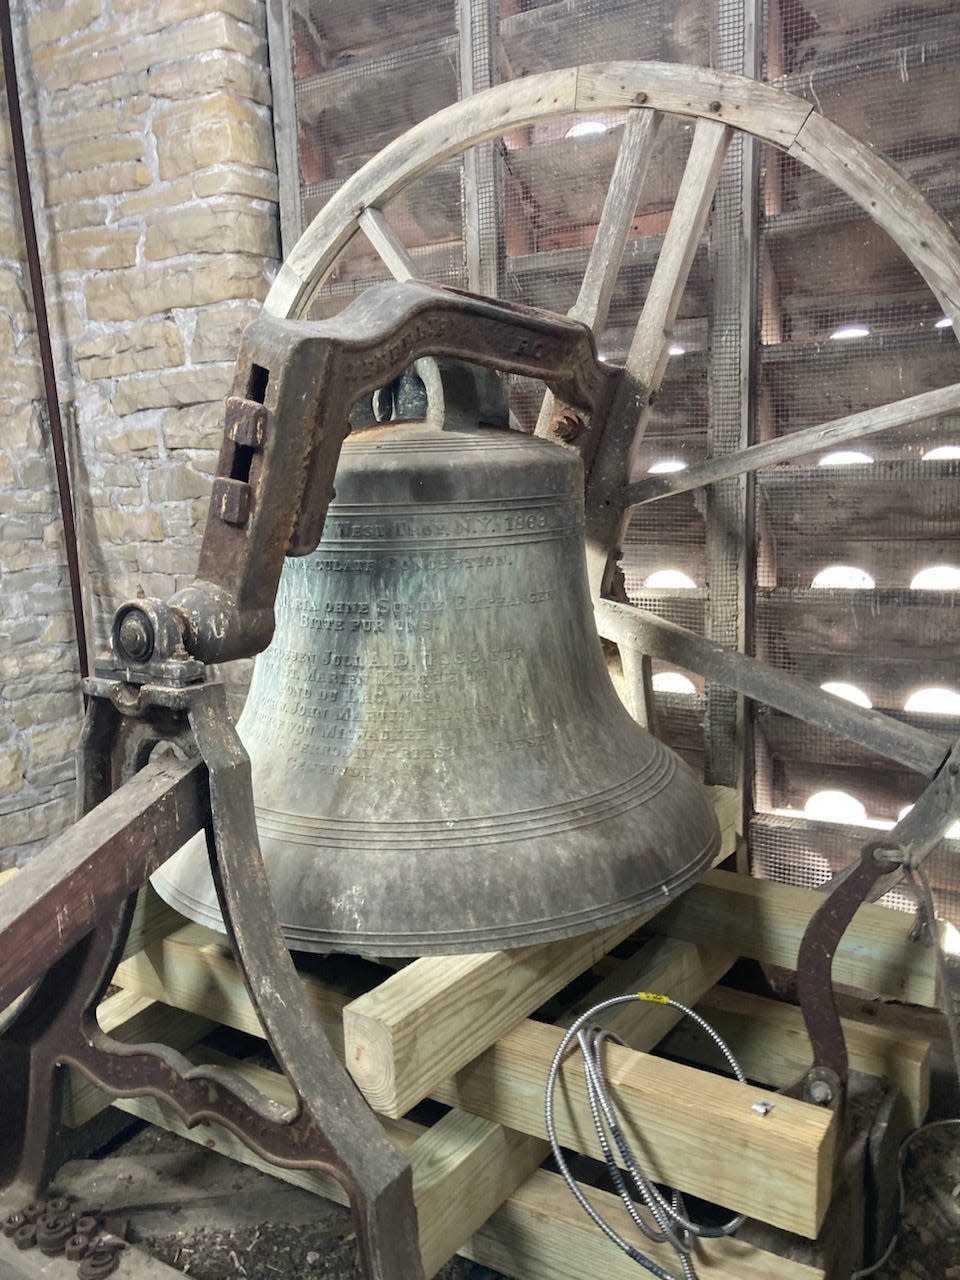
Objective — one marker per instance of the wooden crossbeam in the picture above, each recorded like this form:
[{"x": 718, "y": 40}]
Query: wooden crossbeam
[
  {"x": 771, "y": 1044},
  {"x": 765, "y": 921}
]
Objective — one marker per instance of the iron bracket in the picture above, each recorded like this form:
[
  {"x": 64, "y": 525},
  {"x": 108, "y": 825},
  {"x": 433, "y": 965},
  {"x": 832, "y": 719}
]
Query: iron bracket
[{"x": 65, "y": 922}]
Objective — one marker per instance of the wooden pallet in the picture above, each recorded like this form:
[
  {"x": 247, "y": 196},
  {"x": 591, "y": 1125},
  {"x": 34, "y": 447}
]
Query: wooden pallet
[{"x": 458, "y": 1030}]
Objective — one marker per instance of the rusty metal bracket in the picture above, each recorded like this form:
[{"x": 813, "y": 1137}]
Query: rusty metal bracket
[
  {"x": 882, "y": 863},
  {"x": 295, "y": 386},
  {"x": 64, "y": 925}
]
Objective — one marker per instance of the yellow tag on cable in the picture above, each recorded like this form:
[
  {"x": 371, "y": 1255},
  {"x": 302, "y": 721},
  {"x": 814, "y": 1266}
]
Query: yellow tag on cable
[{"x": 652, "y": 997}]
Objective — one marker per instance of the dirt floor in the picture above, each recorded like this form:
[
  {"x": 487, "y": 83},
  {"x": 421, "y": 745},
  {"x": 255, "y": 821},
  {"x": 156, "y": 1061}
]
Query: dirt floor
[{"x": 212, "y": 1219}]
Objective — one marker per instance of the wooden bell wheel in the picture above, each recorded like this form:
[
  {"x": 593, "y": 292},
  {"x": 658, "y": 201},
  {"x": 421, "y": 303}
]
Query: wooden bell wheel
[{"x": 719, "y": 104}]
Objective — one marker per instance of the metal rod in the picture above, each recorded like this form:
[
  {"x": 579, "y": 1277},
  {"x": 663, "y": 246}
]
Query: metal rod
[
  {"x": 913, "y": 748},
  {"x": 902, "y": 413},
  {"x": 35, "y": 272}
]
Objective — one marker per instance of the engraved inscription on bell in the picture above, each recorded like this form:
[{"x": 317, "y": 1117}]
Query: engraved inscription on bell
[{"x": 439, "y": 760}]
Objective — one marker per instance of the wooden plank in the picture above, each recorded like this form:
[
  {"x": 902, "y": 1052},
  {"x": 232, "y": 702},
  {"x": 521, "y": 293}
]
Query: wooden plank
[
  {"x": 431, "y": 1018},
  {"x": 766, "y": 921},
  {"x": 857, "y": 426},
  {"x": 59, "y": 896},
  {"x": 434, "y": 1016},
  {"x": 542, "y": 1233},
  {"x": 692, "y": 1127},
  {"x": 769, "y": 1039},
  {"x": 194, "y": 969}
]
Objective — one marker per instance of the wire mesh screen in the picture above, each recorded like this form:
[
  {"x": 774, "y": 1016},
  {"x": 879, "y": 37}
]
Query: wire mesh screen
[{"x": 858, "y": 550}]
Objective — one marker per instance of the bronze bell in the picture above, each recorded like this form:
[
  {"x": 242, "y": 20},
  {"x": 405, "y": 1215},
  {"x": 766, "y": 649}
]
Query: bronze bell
[{"x": 440, "y": 761}]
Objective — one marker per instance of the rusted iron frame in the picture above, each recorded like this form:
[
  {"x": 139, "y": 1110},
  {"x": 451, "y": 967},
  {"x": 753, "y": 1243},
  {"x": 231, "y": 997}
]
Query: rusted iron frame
[
  {"x": 879, "y": 868},
  {"x": 81, "y": 892}
]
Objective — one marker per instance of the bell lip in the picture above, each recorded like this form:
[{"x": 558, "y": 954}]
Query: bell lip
[{"x": 461, "y": 941}]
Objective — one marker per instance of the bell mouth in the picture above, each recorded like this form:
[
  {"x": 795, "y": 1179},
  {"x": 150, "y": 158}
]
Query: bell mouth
[{"x": 494, "y": 883}]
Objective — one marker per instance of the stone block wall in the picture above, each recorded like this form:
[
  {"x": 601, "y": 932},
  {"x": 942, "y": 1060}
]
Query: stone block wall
[{"x": 151, "y": 139}]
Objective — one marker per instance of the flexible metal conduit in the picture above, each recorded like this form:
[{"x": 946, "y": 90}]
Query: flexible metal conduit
[{"x": 43, "y": 330}]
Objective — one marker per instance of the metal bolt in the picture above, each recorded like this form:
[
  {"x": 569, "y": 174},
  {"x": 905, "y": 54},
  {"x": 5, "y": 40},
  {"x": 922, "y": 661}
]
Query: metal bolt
[
  {"x": 135, "y": 636},
  {"x": 820, "y": 1092},
  {"x": 567, "y": 426},
  {"x": 12, "y": 1224},
  {"x": 715, "y": 105}
]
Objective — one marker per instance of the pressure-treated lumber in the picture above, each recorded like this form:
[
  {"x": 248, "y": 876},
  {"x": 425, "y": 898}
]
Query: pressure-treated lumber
[
  {"x": 434, "y": 1016},
  {"x": 541, "y": 1233},
  {"x": 193, "y": 969},
  {"x": 766, "y": 921},
  {"x": 769, "y": 1039},
  {"x": 692, "y": 1128}
]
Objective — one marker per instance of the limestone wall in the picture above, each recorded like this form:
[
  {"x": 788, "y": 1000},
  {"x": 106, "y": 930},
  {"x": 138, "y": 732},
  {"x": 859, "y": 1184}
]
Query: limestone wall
[{"x": 152, "y": 155}]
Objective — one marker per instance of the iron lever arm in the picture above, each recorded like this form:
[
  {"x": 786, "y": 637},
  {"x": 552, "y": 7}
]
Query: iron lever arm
[{"x": 286, "y": 422}]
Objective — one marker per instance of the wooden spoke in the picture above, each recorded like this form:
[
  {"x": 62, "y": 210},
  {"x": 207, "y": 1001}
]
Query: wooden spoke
[
  {"x": 648, "y": 354},
  {"x": 647, "y": 357},
  {"x": 627, "y": 625},
  {"x": 619, "y": 208},
  {"x": 856, "y": 426},
  {"x": 387, "y": 243}
]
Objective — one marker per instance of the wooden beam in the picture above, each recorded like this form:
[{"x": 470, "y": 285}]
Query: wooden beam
[
  {"x": 60, "y": 895},
  {"x": 766, "y": 921},
  {"x": 647, "y": 356},
  {"x": 434, "y": 1016},
  {"x": 856, "y": 426},
  {"x": 541, "y": 1233},
  {"x": 692, "y": 1127},
  {"x": 194, "y": 969},
  {"x": 770, "y": 1041},
  {"x": 606, "y": 253},
  {"x": 914, "y": 748}
]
